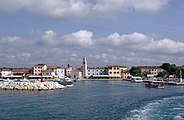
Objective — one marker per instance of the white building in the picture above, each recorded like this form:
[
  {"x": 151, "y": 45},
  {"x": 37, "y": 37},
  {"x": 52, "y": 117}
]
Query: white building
[
  {"x": 56, "y": 71},
  {"x": 5, "y": 72},
  {"x": 39, "y": 68},
  {"x": 60, "y": 72}
]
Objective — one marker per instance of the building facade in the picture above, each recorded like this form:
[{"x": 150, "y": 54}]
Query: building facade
[
  {"x": 39, "y": 68},
  {"x": 21, "y": 71},
  {"x": 117, "y": 71},
  {"x": 60, "y": 72},
  {"x": 151, "y": 70},
  {"x": 5, "y": 72},
  {"x": 76, "y": 73},
  {"x": 96, "y": 71}
]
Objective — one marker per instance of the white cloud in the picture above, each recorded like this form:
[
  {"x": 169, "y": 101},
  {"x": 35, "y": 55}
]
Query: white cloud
[
  {"x": 49, "y": 38},
  {"x": 148, "y": 5},
  {"x": 144, "y": 43},
  {"x": 122, "y": 49},
  {"x": 15, "y": 41},
  {"x": 80, "y": 38},
  {"x": 80, "y": 8}
]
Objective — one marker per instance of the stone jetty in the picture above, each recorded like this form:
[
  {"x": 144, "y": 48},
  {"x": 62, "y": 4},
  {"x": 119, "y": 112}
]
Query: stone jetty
[{"x": 34, "y": 86}]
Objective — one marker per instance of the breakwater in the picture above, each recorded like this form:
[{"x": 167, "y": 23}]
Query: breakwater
[{"x": 34, "y": 86}]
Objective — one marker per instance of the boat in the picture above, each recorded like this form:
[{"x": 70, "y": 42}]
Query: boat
[
  {"x": 155, "y": 85},
  {"x": 65, "y": 81},
  {"x": 136, "y": 79}
]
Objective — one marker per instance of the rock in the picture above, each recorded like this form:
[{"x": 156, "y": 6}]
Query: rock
[{"x": 11, "y": 85}]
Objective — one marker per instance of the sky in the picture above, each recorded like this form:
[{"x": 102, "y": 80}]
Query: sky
[{"x": 107, "y": 32}]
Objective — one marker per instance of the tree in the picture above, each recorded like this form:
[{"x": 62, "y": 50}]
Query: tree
[
  {"x": 163, "y": 73},
  {"x": 135, "y": 71},
  {"x": 170, "y": 68}
]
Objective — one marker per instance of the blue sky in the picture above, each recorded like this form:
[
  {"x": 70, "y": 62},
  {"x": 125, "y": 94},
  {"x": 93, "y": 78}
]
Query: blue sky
[{"x": 108, "y": 32}]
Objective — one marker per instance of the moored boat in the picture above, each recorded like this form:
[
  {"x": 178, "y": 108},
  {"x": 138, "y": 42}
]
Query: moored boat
[
  {"x": 136, "y": 79},
  {"x": 65, "y": 81},
  {"x": 155, "y": 85}
]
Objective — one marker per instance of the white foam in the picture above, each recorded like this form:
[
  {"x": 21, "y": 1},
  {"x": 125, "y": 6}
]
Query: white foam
[
  {"x": 145, "y": 112},
  {"x": 178, "y": 117}
]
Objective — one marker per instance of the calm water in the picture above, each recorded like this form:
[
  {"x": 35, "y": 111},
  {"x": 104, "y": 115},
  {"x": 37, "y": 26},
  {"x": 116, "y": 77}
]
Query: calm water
[{"x": 95, "y": 100}]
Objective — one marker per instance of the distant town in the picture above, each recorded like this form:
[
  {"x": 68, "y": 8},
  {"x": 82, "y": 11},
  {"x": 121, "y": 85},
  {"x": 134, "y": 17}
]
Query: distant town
[{"x": 165, "y": 70}]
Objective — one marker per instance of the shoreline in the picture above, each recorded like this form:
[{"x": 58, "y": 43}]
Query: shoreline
[{"x": 101, "y": 80}]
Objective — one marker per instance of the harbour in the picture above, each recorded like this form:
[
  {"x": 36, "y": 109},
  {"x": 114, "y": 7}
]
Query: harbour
[
  {"x": 91, "y": 60},
  {"x": 89, "y": 100}
]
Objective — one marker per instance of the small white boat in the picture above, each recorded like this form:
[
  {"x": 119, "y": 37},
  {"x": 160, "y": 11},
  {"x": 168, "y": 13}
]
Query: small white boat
[
  {"x": 136, "y": 79},
  {"x": 65, "y": 81}
]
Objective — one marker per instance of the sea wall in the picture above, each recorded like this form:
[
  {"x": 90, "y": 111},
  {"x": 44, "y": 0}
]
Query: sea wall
[{"x": 30, "y": 85}]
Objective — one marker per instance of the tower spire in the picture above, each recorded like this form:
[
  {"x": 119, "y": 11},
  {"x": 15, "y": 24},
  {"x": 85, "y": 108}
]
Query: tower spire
[{"x": 84, "y": 67}]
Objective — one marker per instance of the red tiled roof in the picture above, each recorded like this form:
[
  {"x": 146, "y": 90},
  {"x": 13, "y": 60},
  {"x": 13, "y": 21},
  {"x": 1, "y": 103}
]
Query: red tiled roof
[
  {"x": 39, "y": 65},
  {"x": 5, "y": 69},
  {"x": 110, "y": 66},
  {"x": 149, "y": 67},
  {"x": 52, "y": 67},
  {"x": 23, "y": 70}
]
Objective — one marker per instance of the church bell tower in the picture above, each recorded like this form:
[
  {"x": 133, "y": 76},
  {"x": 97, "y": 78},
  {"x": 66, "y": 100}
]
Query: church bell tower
[{"x": 84, "y": 67}]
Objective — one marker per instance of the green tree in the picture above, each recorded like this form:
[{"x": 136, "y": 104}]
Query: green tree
[
  {"x": 135, "y": 71},
  {"x": 170, "y": 68},
  {"x": 163, "y": 73}
]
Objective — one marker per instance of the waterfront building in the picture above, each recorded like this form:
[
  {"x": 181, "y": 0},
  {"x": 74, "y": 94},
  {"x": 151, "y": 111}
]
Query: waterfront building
[
  {"x": 68, "y": 71},
  {"x": 55, "y": 71},
  {"x": 151, "y": 70},
  {"x": 76, "y": 73},
  {"x": 21, "y": 71},
  {"x": 48, "y": 73},
  {"x": 60, "y": 72},
  {"x": 5, "y": 72},
  {"x": 125, "y": 74},
  {"x": 96, "y": 71},
  {"x": 117, "y": 71},
  {"x": 39, "y": 68},
  {"x": 85, "y": 67},
  {"x": 52, "y": 68}
]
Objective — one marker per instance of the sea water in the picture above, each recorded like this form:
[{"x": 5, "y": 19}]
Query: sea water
[{"x": 95, "y": 100}]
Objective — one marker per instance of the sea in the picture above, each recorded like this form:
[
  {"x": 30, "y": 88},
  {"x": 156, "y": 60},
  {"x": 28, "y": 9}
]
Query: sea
[{"x": 95, "y": 100}]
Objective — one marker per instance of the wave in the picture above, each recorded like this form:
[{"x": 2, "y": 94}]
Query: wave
[{"x": 165, "y": 108}]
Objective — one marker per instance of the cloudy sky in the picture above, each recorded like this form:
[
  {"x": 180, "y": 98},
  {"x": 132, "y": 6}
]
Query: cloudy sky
[{"x": 108, "y": 32}]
